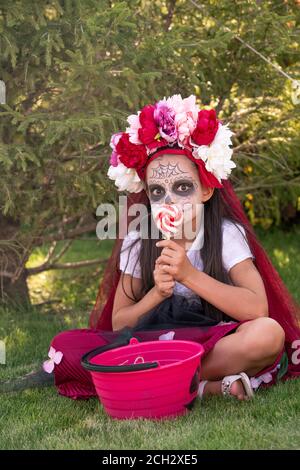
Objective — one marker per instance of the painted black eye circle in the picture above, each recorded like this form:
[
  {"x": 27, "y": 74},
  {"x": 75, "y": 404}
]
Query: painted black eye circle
[
  {"x": 158, "y": 193},
  {"x": 185, "y": 187}
]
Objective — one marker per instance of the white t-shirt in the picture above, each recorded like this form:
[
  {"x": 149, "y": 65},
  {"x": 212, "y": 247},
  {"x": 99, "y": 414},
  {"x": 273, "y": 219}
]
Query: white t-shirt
[{"x": 234, "y": 249}]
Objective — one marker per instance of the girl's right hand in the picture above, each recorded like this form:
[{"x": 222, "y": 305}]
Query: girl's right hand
[{"x": 164, "y": 282}]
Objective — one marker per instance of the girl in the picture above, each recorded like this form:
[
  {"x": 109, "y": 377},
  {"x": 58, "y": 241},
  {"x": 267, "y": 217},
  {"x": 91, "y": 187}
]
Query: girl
[{"x": 218, "y": 287}]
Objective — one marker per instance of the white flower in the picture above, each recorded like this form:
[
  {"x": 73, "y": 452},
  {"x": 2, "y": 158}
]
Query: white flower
[
  {"x": 217, "y": 155},
  {"x": 295, "y": 92},
  {"x": 126, "y": 179},
  {"x": 55, "y": 358},
  {"x": 167, "y": 336},
  {"x": 115, "y": 139},
  {"x": 135, "y": 125}
]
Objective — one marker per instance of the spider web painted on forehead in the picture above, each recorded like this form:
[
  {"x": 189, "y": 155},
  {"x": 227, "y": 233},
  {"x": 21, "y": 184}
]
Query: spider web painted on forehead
[{"x": 167, "y": 171}]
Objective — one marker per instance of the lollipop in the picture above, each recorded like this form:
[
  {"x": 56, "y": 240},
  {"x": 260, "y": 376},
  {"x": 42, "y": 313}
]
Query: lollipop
[{"x": 168, "y": 218}]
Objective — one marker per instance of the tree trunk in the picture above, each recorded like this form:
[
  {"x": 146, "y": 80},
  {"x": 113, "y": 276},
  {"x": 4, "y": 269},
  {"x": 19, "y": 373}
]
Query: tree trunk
[{"x": 12, "y": 289}]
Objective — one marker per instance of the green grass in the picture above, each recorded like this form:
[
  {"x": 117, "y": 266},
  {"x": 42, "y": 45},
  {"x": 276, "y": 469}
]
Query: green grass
[{"x": 42, "y": 419}]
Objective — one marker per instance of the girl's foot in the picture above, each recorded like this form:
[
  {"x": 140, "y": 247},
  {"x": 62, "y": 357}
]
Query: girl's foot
[{"x": 214, "y": 387}]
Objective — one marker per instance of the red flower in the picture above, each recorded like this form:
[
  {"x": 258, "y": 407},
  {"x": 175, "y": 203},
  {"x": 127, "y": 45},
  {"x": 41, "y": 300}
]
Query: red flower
[
  {"x": 131, "y": 155},
  {"x": 149, "y": 133},
  {"x": 207, "y": 127}
]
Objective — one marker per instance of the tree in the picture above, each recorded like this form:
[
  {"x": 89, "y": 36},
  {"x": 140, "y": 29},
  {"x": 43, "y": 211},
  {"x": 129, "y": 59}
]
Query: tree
[{"x": 75, "y": 70}]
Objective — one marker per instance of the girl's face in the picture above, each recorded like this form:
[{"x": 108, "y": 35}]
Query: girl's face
[{"x": 174, "y": 179}]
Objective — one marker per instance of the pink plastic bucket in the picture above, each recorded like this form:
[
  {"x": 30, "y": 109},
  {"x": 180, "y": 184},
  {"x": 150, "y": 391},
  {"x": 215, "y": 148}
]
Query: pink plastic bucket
[{"x": 151, "y": 379}]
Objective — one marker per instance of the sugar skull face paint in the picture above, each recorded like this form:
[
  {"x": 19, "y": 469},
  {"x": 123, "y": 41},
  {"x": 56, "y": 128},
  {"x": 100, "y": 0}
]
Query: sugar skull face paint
[
  {"x": 170, "y": 180},
  {"x": 174, "y": 179}
]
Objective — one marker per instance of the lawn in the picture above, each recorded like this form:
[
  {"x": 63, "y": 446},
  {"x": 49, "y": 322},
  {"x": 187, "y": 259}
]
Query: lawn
[{"x": 41, "y": 419}]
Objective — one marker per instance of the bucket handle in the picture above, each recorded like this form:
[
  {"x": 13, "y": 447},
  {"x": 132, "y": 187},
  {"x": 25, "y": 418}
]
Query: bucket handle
[{"x": 85, "y": 360}]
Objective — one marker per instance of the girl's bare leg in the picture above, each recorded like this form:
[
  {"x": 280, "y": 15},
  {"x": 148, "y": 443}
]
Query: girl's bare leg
[{"x": 252, "y": 347}]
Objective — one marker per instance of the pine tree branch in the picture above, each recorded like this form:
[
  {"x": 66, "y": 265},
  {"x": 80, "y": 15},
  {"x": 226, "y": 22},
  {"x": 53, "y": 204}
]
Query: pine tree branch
[
  {"x": 51, "y": 260},
  {"x": 88, "y": 149},
  {"x": 65, "y": 221},
  {"x": 261, "y": 185},
  {"x": 236, "y": 116},
  {"x": 62, "y": 251},
  {"x": 255, "y": 157},
  {"x": 37, "y": 378},
  {"x": 68, "y": 235},
  {"x": 6, "y": 274},
  {"x": 47, "y": 302},
  {"x": 49, "y": 257},
  {"x": 50, "y": 252},
  {"x": 245, "y": 146},
  {"x": 169, "y": 16},
  {"x": 80, "y": 157},
  {"x": 71, "y": 265}
]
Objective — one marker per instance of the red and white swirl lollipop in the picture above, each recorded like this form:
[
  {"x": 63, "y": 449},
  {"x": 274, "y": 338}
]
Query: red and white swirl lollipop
[{"x": 168, "y": 217}]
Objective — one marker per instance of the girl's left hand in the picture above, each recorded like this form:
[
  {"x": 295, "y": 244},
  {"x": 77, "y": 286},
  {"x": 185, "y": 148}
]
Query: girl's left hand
[{"x": 174, "y": 260}]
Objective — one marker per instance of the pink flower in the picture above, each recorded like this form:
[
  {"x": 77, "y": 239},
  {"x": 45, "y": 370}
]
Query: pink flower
[
  {"x": 186, "y": 114},
  {"x": 55, "y": 358},
  {"x": 115, "y": 139},
  {"x": 113, "y": 143},
  {"x": 264, "y": 378},
  {"x": 114, "y": 159},
  {"x": 165, "y": 119}
]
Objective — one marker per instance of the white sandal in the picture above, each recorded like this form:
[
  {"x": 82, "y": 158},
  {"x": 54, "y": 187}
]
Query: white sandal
[
  {"x": 201, "y": 388},
  {"x": 226, "y": 385}
]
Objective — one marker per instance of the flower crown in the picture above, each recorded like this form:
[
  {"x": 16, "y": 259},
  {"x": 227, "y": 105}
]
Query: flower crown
[{"x": 170, "y": 123}]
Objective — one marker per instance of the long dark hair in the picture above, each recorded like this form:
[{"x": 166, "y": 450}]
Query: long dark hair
[{"x": 215, "y": 211}]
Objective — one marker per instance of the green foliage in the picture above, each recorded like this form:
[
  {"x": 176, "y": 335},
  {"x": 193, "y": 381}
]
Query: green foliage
[{"x": 75, "y": 70}]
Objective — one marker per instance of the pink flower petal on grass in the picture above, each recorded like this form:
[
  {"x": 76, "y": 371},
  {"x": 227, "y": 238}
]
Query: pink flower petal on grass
[
  {"x": 57, "y": 357},
  {"x": 48, "y": 366},
  {"x": 266, "y": 377},
  {"x": 51, "y": 352}
]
